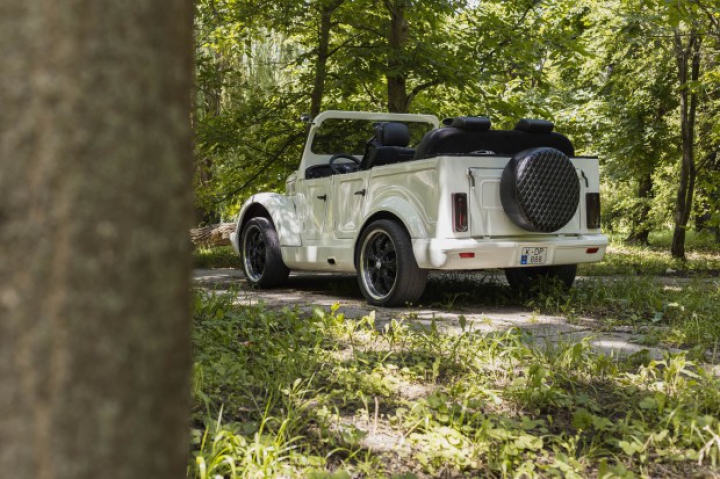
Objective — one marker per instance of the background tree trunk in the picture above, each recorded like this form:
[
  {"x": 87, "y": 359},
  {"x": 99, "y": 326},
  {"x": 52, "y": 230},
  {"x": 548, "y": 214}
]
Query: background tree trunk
[
  {"x": 323, "y": 53},
  {"x": 396, "y": 77},
  {"x": 95, "y": 167},
  {"x": 688, "y": 64},
  {"x": 640, "y": 227}
]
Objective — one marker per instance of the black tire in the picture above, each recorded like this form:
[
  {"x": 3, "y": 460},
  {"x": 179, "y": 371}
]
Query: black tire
[
  {"x": 523, "y": 279},
  {"x": 387, "y": 271},
  {"x": 540, "y": 190},
  {"x": 260, "y": 252}
]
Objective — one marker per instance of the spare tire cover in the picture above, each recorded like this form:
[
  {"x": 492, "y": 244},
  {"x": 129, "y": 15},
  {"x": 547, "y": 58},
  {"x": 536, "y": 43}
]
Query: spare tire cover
[{"x": 540, "y": 190}]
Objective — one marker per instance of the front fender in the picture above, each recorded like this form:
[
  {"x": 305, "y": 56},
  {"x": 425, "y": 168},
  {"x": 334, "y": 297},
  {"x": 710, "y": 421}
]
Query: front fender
[{"x": 281, "y": 209}]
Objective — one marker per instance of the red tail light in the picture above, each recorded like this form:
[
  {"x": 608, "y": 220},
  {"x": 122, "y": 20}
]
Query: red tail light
[
  {"x": 460, "y": 216},
  {"x": 592, "y": 204}
]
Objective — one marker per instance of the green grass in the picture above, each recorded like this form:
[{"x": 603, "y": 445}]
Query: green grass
[
  {"x": 677, "y": 312},
  {"x": 703, "y": 258},
  {"x": 684, "y": 315},
  {"x": 281, "y": 393},
  {"x": 220, "y": 257}
]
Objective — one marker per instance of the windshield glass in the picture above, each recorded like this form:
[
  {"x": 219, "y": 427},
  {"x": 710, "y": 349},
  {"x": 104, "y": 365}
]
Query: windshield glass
[{"x": 350, "y": 136}]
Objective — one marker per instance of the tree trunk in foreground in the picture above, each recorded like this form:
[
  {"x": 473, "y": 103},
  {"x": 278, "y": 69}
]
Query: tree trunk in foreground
[{"x": 95, "y": 166}]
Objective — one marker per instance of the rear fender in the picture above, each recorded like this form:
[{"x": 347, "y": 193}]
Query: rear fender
[{"x": 404, "y": 211}]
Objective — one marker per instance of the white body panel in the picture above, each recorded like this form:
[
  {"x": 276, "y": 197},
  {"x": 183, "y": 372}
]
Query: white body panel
[{"x": 319, "y": 220}]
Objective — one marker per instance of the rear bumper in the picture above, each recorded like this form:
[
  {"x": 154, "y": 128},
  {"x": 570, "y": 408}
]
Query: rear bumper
[{"x": 505, "y": 253}]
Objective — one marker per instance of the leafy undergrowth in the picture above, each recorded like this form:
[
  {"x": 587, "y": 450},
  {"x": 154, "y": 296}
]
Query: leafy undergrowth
[
  {"x": 283, "y": 393},
  {"x": 684, "y": 315},
  {"x": 663, "y": 312},
  {"x": 703, "y": 258}
]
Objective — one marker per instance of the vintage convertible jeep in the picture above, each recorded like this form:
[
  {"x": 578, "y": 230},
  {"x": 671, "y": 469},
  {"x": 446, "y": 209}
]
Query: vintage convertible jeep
[{"x": 462, "y": 197}]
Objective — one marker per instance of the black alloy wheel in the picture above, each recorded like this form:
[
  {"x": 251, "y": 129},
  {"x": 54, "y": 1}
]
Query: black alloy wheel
[
  {"x": 387, "y": 271},
  {"x": 262, "y": 259}
]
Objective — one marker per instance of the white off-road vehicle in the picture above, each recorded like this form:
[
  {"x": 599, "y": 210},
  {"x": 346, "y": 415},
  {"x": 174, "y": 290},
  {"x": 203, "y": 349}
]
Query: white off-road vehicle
[{"x": 417, "y": 197}]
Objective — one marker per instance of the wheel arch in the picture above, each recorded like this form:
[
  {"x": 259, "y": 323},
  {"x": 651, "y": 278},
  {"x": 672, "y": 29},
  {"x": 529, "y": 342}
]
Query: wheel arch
[
  {"x": 253, "y": 210},
  {"x": 279, "y": 210},
  {"x": 379, "y": 215}
]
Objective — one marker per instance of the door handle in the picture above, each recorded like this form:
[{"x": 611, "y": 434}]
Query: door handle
[
  {"x": 323, "y": 197},
  {"x": 361, "y": 192}
]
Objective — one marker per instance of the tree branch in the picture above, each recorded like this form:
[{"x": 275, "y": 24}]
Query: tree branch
[
  {"x": 710, "y": 159},
  {"x": 709, "y": 14},
  {"x": 424, "y": 86},
  {"x": 262, "y": 168}
]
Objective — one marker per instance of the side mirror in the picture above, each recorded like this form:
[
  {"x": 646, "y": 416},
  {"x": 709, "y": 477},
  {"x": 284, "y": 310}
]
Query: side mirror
[{"x": 305, "y": 118}]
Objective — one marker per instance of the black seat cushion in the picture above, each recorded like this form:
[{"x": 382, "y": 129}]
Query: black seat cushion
[
  {"x": 392, "y": 134},
  {"x": 387, "y": 155},
  {"x": 388, "y": 146},
  {"x": 454, "y": 141},
  {"x": 470, "y": 123},
  {"x": 535, "y": 126}
]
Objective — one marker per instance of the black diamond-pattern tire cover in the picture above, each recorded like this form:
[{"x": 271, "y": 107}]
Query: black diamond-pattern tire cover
[{"x": 540, "y": 190}]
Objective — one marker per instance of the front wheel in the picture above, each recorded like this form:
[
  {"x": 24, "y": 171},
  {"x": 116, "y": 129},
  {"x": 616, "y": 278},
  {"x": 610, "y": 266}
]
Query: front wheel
[
  {"x": 261, "y": 257},
  {"x": 523, "y": 279},
  {"x": 387, "y": 271}
]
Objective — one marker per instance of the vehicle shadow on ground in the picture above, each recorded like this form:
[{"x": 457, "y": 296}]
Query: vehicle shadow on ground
[{"x": 444, "y": 290}]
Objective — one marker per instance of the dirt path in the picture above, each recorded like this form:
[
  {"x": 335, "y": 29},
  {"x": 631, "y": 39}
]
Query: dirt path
[{"x": 308, "y": 290}]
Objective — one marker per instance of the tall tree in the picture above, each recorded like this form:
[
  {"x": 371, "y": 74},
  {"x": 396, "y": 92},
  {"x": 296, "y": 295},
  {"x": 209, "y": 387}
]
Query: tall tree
[
  {"x": 326, "y": 10},
  {"x": 687, "y": 57},
  {"x": 94, "y": 209}
]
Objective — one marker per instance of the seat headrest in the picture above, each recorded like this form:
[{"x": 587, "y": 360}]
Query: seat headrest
[
  {"x": 535, "y": 126},
  {"x": 469, "y": 123},
  {"x": 392, "y": 134}
]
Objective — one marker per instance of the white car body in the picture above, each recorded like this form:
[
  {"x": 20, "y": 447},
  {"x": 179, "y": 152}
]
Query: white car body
[{"x": 319, "y": 221}]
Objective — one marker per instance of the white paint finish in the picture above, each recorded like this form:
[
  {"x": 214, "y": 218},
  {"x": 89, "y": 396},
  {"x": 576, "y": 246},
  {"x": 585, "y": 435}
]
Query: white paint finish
[
  {"x": 234, "y": 242},
  {"x": 315, "y": 258},
  {"x": 412, "y": 193},
  {"x": 282, "y": 211},
  {"x": 313, "y": 231},
  {"x": 312, "y": 208},
  {"x": 504, "y": 253},
  {"x": 350, "y": 195}
]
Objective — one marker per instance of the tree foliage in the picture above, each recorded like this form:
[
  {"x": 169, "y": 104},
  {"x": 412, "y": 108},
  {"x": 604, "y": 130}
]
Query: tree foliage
[{"x": 610, "y": 74}]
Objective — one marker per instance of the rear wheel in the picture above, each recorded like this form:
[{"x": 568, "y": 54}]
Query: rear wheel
[
  {"x": 387, "y": 271},
  {"x": 261, "y": 257},
  {"x": 523, "y": 279}
]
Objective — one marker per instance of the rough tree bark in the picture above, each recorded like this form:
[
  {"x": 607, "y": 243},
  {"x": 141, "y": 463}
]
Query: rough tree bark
[
  {"x": 95, "y": 169},
  {"x": 688, "y": 63}
]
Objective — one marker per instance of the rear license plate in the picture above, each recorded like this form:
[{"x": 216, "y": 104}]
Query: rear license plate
[{"x": 533, "y": 255}]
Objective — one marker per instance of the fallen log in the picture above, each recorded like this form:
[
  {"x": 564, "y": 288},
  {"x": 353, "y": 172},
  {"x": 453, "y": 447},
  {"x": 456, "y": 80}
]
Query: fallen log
[{"x": 212, "y": 235}]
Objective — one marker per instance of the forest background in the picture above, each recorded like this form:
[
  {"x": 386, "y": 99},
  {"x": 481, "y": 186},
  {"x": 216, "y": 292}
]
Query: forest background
[{"x": 635, "y": 82}]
